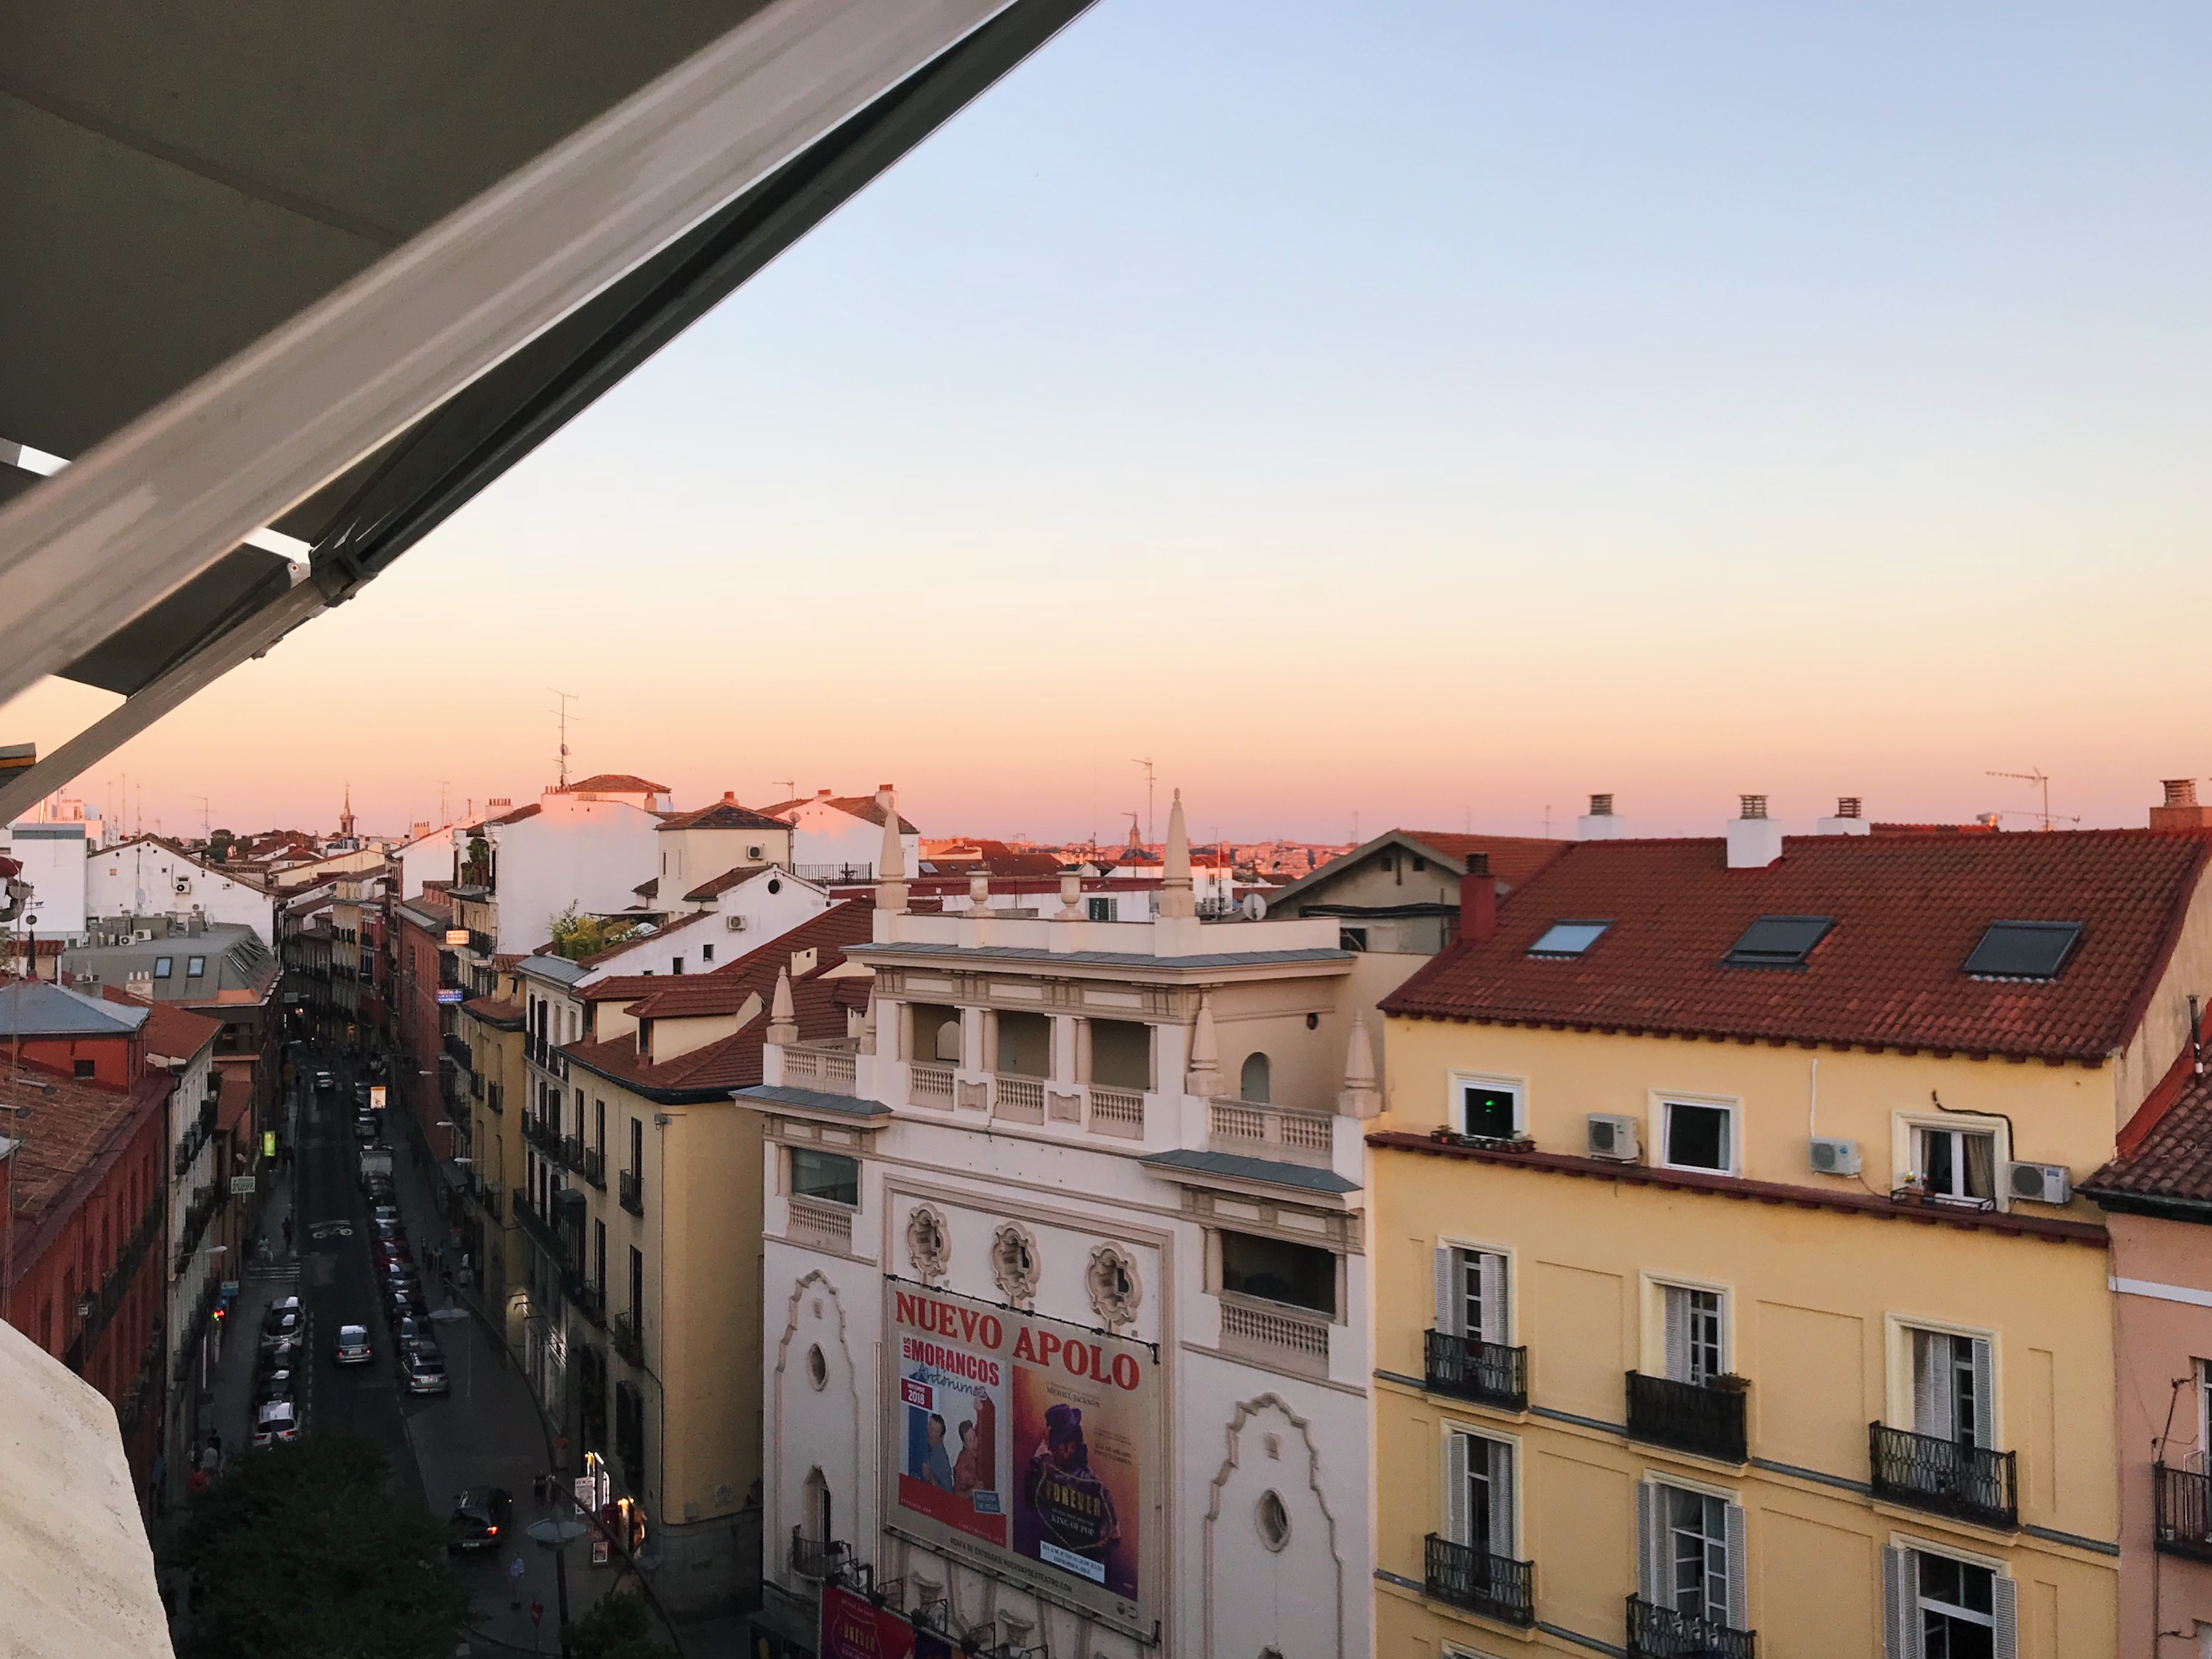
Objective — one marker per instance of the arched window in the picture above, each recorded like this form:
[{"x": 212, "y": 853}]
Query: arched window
[
  {"x": 1253, "y": 1084},
  {"x": 814, "y": 1508},
  {"x": 948, "y": 1041}
]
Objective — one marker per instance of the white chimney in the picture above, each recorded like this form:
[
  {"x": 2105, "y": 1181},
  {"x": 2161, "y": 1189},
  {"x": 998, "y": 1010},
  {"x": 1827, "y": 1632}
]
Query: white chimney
[
  {"x": 1849, "y": 819},
  {"x": 1754, "y": 841},
  {"x": 1600, "y": 823}
]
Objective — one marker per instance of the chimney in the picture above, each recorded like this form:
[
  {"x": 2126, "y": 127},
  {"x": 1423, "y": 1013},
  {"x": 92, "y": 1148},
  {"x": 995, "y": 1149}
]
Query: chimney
[
  {"x": 1600, "y": 823},
  {"x": 1478, "y": 900},
  {"x": 730, "y": 796},
  {"x": 2181, "y": 813},
  {"x": 1849, "y": 819},
  {"x": 1755, "y": 840}
]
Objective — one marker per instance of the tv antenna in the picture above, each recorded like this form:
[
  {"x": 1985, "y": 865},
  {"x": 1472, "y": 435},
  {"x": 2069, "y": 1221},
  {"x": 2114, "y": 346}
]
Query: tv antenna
[
  {"x": 1147, "y": 765},
  {"x": 2042, "y": 781},
  {"x": 204, "y": 831},
  {"x": 789, "y": 786},
  {"x": 567, "y": 697}
]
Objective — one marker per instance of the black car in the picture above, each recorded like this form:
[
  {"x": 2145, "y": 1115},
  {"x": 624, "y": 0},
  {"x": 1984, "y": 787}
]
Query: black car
[
  {"x": 406, "y": 1305},
  {"x": 276, "y": 1385},
  {"x": 283, "y": 1325},
  {"x": 481, "y": 1516},
  {"x": 281, "y": 1355}
]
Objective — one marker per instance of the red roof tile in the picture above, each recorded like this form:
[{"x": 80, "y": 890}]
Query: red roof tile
[
  {"x": 614, "y": 783},
  {"x": 1514, "y": 860},
  {"x": 1908, "y": 910},
  {"x": 65, "y": 1126},
  {"x": 2166, "y": 1154},
  {"x": 853, "y": 806},
  {"x": 723, "y": 814},
  {"x": 170, "y": 1029},
  {"x": 515, "y": 817}
]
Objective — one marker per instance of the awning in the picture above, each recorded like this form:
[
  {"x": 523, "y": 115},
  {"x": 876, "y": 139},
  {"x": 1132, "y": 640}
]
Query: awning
[{"x": 328, "y": 272}]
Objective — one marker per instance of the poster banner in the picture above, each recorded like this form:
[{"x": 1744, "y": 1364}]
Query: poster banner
[
  {"x": 854, "y": 1627},
  {"x": 1029, "y": 1440}
]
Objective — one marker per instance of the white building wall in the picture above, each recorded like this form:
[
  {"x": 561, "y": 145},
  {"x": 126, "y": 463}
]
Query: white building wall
[
  {"x": 770, "y": 905},
  {"x": 146, "y": 878},
  {"x": 573, "y": 851},
  {"x": 429, "y": 859},
  {"x": 54, "y": 859},
  {"x": 821, "y": 834}
]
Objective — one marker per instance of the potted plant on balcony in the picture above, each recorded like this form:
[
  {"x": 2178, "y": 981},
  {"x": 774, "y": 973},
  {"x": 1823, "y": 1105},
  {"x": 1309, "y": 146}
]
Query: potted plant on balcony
[{"x": 1728, "y": 1383}]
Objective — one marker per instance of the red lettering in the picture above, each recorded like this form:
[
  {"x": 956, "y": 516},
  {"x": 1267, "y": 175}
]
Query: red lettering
[
  {"x": 1076, "y": 1358},
  {"x": 993, "y": 1333},
  {"x": 1130, "y": 1378},
  {"x": 1047, "y": 1345},
  {"x": 906, "y": 1313},
  {"x": 1023, "y": 1348}
]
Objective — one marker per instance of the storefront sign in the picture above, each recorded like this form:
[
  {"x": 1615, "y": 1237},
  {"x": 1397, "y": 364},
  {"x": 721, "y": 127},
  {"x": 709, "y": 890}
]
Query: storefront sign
[
  {"x": 376, "y": 1097},
  {"x": 1028, "y": 1445},
  {"x": 452, "y": 993},
  {"x": 457, "y": 936},
  {"x": 241, "y": 1186}
]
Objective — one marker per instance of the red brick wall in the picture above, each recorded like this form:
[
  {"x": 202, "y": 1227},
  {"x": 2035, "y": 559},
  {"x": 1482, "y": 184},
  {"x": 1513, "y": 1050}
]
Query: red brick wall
[{"x": 115, "y": 1060}]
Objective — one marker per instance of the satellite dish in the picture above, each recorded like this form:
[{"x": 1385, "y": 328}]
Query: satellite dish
[{"x": 1256, "y": 907}]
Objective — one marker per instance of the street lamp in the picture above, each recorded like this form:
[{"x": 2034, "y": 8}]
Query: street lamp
[{"x": 555, "y": 1534}]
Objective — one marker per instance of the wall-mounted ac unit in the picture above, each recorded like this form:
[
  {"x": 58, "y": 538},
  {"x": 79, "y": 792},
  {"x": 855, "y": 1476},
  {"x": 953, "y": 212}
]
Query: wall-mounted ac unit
[
  {"x": 2043, "y": 1183},
  {"x": 184, "y": 884},
  {"x": 142, "y": 936},
  {"x": 737, "y": 924},
  {"x": 1613, "y": 1138},
  {"x": 1835, "y": 1158}
]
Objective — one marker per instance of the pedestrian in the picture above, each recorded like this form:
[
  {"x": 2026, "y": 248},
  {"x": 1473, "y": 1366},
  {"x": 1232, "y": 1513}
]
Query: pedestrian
[
  {"x": 158, "y": 1485},
  {"x": 514, "y": 1583},
  {"x": 288, "y": 1232}
]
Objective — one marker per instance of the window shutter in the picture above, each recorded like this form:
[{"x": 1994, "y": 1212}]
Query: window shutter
[
  {"x": 2004, "y": 1601},
  {"x": 1678, "y": 1333},
  {"x": 1455, "y": 1516},
  {"x": 1739, "y": 1571},
  {"x": 1651, "y": 1541},
  {"x": 1931, "y": 1380},
  {"x": 1897, "y": 1623},
  {"x": 1494, "y": 1323},
  {"x": 1448, "y": 1302},
  {"x": 1501, "y": 1498},
  {"x": 1986, "y": 1414}
]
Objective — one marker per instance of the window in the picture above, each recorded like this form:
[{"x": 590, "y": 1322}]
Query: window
[
  {"x": 1252, "y": 1080},
  {"x": 637, "y": 1292},
  {"x": 676, "y": 966},
  {"x": 1568, "y": 938},
  {"x": 1471, "y": 1294},
  {"x": 2024, "y": 950},
  {"x": 636, "y": 1146},
  {"x": 194, "y": 967},
  {"x": 599, "y": 1255},
  {"x": 830, "y": 1177},
  {"x": 1695, "y": 1332},
  {"x": 82, "y": 1068},
  {"x": 1419, "y": 865},
  {"x": 1957, "y": 1163},
  {"x": 162, "y": 966},
  {"x": 1352, "y": 938},
  {"x": 1778, "y": 942},
  {"x": 599, "y": 1126},
  {"x": 1953, "y": 1389},
  {"x": 1488, "y": 1109},
  {"x": 1940, "y": 1608},
  {"x": 1479, "y": 1493},
  {"x": 1273, "y": 1270},
  {"x": 706, "y": 953},
  {"x": 1099, "y": 909},
  {"x": 1695, "y": 1554},
  {"x": 1697, "y": 1137},
  {"x": 1388, "y": 863}
]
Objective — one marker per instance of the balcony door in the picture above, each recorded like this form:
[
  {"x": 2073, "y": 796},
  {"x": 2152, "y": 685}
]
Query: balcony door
[
  {"x": 1953, "y": 1391},
  {"x": 1479, "y": 1489},
  {"x": 1471, "y": 1294},
  {"x": 1692, "y": 1553}
]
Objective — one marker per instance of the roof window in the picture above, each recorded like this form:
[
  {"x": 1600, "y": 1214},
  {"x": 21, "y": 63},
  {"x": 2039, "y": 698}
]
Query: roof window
[
  {"x": 1779, "y": 942},
  {"x": 2024, "y": 950},
  {"x": 1568, "y": 938}
]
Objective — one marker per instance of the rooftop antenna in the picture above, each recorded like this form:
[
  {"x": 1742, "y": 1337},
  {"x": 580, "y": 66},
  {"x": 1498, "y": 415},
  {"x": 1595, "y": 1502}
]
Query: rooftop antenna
[
  {"x": 2042, "y": 780},
  {"x": 1147, "y": 765},
  {"x": 567, "y": 697},
  {"x": 789, "y": 786},
  {"x": 204, "y": 831},
  {"x": 444, "y": 816}
]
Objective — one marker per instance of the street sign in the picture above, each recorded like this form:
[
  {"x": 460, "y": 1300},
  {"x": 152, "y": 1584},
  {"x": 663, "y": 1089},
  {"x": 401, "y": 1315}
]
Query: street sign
[
  {"x": 376, "y": 1097},
  {"x": 241, "y": 1186},
  {"x": 536, "y": 1613}
]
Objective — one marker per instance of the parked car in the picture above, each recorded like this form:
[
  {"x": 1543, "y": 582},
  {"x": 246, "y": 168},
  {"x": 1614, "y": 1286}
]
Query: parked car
[
  {"x": 425, "y": 1371},
  {"x": 405, "y": 1302},
  {"x": 353, "y": 1345},
  {"x": 479, "y": 1517},
  {"x": 277, "y": 1420},
  {"x": 325, "y": 1080},
  {"x": 283, "y": 1324},
  {"x": 276, "y": 1385},
  {"x": 278, "y": 1309},
  {"x": 380, "y": 1211},
  {"x": 282, "y": 1356},
  {"x": 410, "y": 1332},
  {"x": 360, "y": 1093}
]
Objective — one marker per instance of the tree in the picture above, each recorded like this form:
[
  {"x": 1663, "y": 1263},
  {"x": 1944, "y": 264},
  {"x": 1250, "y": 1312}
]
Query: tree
[
  {"x": 300, "y": 1549},
  {"x": 616, "y": 1629},
  {"x": 577, "y": 937}
]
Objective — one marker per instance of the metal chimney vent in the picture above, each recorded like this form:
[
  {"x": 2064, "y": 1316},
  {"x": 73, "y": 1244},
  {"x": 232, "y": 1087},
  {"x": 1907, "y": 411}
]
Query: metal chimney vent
[
  {"x": 1754, "y": 806},
  {"x": 1847, "y": 806},
  {"x": 1600, "y": 806}
]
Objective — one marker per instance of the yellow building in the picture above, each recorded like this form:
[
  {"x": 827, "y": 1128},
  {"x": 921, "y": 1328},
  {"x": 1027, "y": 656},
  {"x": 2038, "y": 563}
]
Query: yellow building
[
  {"x": 1727, "y": 1277},
  {"x": 490, "y": 1029}
]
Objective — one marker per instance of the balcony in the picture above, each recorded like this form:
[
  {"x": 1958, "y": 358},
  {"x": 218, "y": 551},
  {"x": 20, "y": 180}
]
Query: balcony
[
  {"x": 1278, "y": 1337},
  {"x": 1967, "y": 1483},
  {"x": 458, "y": 1051},
  {"x": 586, "y": 1297},
  {"x": 1119, "y": 1112},
  {"x": 1705, "y": 1420},
  {"x": 820, "y": 1559},
  {"x": 482, "y": 944},
  {"x": 844, "y": 875},
  {"x": 929, "y": 1086},
  {"x": 1252, "y": 1129},
  {"x": 572, "y": 1151},
  {"x": 821, "y": 1223},
  {"x": 630, "y": 1190},
  {"x": 1017, "y": 1098},
  {"x": 624, "y": 1338},
  {"x": 594, "y": 1168},
  {"x": 1468, "y": 1368},
  {"x": 830, "y": 1067},
  {"x": 2185, "y": 1511},
  {"x": 1657, "y": 1632},
  {"x": 1495, "y": 1586}
]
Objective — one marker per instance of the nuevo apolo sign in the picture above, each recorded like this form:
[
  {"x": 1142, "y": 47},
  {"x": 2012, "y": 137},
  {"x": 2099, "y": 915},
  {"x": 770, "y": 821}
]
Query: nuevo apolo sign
[{"x": 1031, "y": 1445}]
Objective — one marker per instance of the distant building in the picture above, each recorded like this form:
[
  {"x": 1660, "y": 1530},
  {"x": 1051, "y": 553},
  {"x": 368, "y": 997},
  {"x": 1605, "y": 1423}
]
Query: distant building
[
  {"x": 840, "y": 838},
  {"x": 1399, "y": 893},
  {"x": 147, "y": 876},
  {"x": 54, "y": 859}
]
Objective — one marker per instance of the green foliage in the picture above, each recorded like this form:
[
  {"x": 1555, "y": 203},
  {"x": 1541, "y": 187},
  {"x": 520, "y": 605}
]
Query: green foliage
[
  {"x": 300, "y": 1549},
  {"x": 616, "y": 1629},
  {"x": 577, "y": 937}
]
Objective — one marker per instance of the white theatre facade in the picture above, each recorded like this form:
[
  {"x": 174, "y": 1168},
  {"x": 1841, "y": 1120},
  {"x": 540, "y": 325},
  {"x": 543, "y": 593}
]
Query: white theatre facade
[{"x": 1067, "y": 1282}]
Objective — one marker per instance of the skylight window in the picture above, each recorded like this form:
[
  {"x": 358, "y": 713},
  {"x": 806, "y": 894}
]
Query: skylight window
[
  {"x": 1568, "y": 938},
  {"x": 1779, "y": 942},
  {"x": 2024, "y": 950}
]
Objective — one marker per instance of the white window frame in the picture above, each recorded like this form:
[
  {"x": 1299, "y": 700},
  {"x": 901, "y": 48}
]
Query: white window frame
[
  {"x": 1456, "y": 1098},
  {"x": 1652, "y": 1338},
  {"x": 1450, "y": 1525},
  {"x": 1652, "y": 1559},
  {"x": 1899, "y": 1409},
  {"x": 1901, "y": 1626},
  {"x": 1508, "y": 1272},
  {"x": 1661, "y": 1099},
  {"x": 1903, "y": 1123}
]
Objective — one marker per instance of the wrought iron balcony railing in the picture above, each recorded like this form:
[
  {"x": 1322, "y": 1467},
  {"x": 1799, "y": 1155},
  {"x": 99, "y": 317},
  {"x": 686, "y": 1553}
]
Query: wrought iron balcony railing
[
  {"x": 625, "y": 1338},
  {"x": 572, "y": 1151},
  {"x": 1968, "y": 1483},
  {"x": 1489, "y": 1373},
  {"x": 595, "y": 1167},
  {"x": 630, "y": 1190},
  {"x": 1705, "y": 1419},
  {"x": 817, "y": 1557},
  {"x": 1657, "y": 1632},
  {"x": 2185, "y": 1511},
  {"x": 1495, "y": 1586}
]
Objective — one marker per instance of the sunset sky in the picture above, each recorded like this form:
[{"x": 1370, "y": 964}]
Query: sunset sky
[{"x": 1428, "y": 412}]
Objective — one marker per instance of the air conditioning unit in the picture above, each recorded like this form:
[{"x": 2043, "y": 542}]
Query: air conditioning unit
[
  {"x": 737, "y": 924},
  {"x": 184, "y": 884},
  {"x": 1833, "y": 1156},
  {"x": 142, "y": 936},
  {"x": 1613, "y": 1138},
  {"x": 2044, "y": 1183}
]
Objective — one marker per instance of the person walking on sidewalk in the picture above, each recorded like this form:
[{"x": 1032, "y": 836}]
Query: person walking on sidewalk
[{"x": 288, "y": 1233}]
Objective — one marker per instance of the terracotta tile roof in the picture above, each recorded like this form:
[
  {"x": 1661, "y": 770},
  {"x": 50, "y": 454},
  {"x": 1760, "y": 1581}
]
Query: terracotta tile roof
[
  {"x": 235, "y": 1096},
  {"x": 515, "y": 817},
  {"x": 724, "y": 990},
  {"x": 170, "y": 1029},
  {"x": 614, "y": 783},
  {"x": 725, "y": 814},
  {"x": 853, "y": 806},
  {"x": 736, "y": 876},
  {"x": 494, "y": 1012},
  {"x": 1908, "y": 910},
  {"x": 66, "y": 1127},
  {"x": 1514, "y": 860},
  {"x": 2166, "y": 1153}
]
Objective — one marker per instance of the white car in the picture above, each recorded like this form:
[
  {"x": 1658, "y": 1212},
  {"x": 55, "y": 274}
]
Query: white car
[{"x": 279, "y": 1420}]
